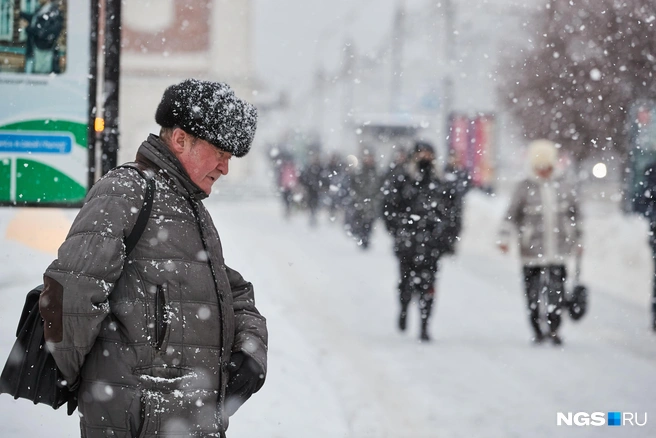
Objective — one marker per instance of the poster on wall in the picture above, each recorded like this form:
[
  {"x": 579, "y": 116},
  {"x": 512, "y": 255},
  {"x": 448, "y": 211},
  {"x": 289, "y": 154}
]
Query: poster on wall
[
  {"x": 459, "y": 140},
  {"x": 642, "y": 153},
  {"x": 482, "y": 143},
  {"x": 45, "y": 84},
  {"x": 471, "y": 147}
]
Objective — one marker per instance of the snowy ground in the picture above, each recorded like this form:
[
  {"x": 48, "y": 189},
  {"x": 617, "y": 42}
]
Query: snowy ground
[{"x": 338, "y": 366}]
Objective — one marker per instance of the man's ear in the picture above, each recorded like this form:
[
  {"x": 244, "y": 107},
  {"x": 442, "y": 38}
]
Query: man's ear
[{"x": 178, "y": 137}]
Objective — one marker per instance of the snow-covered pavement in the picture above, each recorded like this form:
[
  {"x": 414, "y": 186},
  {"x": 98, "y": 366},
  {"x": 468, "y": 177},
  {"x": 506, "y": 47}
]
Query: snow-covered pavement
[{"x": 339, "y": 367}]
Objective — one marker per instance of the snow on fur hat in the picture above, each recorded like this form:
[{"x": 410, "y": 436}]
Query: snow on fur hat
[
  {"x": 542, "y": 154},
  {"x": 210, "y": 111}
]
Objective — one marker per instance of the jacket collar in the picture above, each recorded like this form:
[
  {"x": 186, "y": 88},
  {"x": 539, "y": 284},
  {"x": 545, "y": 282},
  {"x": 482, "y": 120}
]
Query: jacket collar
[{"x": 157, "y": 152}]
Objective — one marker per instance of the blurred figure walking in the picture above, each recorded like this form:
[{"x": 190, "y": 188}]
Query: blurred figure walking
[
  {"x": 287, "y": 182},
  {"x": 312, "y": 181},
  {"x": 338, "y": 181},
  {"x": 365, "y": 191},
  {"x": 414, "y": 216},
  {"x": 545, "y": 213},
  {"x": 650, "y": 213},
  {"x": 456, "y": 186}
]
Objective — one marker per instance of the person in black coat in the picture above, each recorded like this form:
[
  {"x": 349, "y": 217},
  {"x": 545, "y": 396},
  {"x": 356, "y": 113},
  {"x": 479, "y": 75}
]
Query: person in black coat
[
  {"x": 456, "y": 186},
  {"x": 413, "y": 211},
  {"x": 312, "y": 180},
  {"x": 650, "y": 213},
  {"x": 364, "y": 195}
]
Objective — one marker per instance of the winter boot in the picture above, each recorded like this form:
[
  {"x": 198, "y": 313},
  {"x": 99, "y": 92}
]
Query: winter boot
[
  {"x": 555, "y": 338},
  {"x": 538, "y": 337},
  {"x": 424, "y": 336},
  {"x": 403, "y": 316}
]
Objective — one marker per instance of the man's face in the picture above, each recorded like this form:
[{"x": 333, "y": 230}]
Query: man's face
[{"x": 203, "y": 162}]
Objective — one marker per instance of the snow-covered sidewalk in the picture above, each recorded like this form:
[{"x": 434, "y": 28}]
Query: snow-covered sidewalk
[{"x": 339, "y": 367}]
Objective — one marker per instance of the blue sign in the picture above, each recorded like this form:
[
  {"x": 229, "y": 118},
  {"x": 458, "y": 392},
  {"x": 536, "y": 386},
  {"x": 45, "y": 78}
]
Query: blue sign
[
  {"x": 35, "y": 143},
  {"x": 614, "y": 418}
]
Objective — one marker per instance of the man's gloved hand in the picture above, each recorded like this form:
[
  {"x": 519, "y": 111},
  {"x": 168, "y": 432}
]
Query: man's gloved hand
[{"x": 246, "y": 378}]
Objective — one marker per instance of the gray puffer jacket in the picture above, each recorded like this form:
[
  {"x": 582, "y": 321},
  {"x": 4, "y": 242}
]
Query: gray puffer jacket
[
  {"x": 148, "y": 339},
  {"x": 547, "y": 218}
]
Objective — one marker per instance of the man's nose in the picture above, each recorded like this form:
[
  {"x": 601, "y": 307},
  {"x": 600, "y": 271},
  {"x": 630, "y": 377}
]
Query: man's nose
[{"x": 223, "y": 166}]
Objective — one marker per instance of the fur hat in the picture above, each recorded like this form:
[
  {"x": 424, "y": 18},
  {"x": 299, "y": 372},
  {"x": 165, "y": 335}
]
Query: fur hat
[
  {"x": 210, "y": 111},
  {"x": 542, "y": 154}
]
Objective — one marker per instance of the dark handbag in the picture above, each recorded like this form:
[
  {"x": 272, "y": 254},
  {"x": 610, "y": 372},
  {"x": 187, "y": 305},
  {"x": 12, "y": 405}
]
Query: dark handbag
[
  {"x": 577, "y": 302},
  {"x": 31, "y": 371}
]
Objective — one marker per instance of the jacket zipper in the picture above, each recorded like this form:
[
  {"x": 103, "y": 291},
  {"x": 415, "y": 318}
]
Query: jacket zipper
[
  {"x": 160, "y": 317},
  {"x": 219, "y": 297}
]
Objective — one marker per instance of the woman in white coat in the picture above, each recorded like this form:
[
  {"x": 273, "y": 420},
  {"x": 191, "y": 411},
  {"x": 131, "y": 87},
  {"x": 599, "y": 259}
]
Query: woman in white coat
[{"x": 544, "y": 212}]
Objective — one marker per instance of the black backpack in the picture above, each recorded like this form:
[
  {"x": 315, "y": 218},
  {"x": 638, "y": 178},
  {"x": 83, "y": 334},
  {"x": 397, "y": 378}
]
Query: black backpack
[{"x": 30, "y": 371}]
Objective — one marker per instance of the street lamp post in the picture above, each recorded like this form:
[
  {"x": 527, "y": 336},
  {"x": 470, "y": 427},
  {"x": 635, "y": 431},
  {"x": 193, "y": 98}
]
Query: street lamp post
[
  {"x": 447, "y": 80},
  {"x": 398, "y": 34},
  {"x": 111, "y": 84}
]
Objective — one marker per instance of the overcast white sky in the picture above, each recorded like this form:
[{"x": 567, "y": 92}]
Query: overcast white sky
[{"x": 293, "y": 36}]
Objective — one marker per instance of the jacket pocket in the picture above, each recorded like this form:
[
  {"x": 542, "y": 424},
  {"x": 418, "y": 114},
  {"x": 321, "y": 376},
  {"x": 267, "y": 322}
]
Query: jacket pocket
[{"x": 161, "y": 318}]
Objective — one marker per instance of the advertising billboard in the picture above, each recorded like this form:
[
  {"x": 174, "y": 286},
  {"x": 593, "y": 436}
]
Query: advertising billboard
[
  {"x": 482, "y": 144},
  {"x": 471, "y": 147},
  {"x": 642, "y": 152},
  {"x": 46, "y": 80},
  {"x": 459, "y": 140}
]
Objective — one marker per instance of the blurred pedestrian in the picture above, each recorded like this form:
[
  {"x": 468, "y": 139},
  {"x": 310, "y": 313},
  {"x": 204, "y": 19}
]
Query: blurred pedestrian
[
  {"x": 365, "y": 191},
  {"x": 413, "y": 215},
  {"x": 287, "y": 181},
  {"x": 165, "y": 341},
  {"x": 544, "y": 212},
  {"x": 456, "y": 185},
  {"x": 312, "y": 180},
  {"x": 650, "y": 213},
  {"x": 338, "y": 181}
]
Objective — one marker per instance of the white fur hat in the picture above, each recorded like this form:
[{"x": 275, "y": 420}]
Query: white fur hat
[{"x": 542, "y": 153}]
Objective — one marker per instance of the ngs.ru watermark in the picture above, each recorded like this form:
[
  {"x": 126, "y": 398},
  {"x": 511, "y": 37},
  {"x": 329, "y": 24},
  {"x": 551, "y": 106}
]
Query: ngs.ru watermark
[{"x": 601, "y": 419}]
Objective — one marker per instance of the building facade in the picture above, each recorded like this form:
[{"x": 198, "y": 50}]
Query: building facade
[{"x": 166, "y": 41}]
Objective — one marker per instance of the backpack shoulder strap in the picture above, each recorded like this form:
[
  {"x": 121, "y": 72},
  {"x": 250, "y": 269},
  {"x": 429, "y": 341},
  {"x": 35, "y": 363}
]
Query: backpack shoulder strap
[{"x": 144, "y": 214}]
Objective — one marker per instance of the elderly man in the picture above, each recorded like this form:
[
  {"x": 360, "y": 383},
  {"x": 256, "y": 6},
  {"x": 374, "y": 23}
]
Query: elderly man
[{"x": 166, "y": 341}]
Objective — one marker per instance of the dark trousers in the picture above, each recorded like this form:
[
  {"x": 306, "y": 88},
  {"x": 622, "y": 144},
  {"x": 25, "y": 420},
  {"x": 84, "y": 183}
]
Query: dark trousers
[
  {"x": 313, "y": 205},
  {"x": 417, "y": 277},
  {"x": 545, "y": 284},
  {"x": 361, "y": 227},
  {"x": 287, "y": 199}
]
